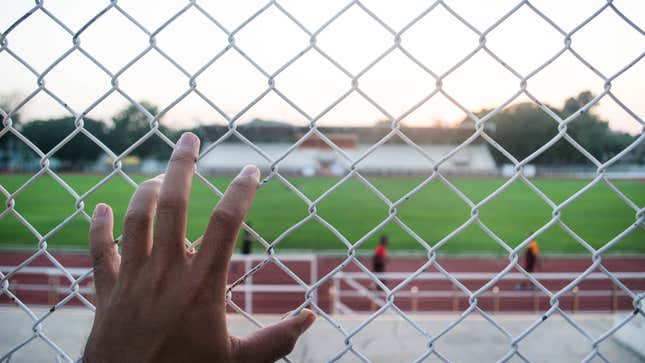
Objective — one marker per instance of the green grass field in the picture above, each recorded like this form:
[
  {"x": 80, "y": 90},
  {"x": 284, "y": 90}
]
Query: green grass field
[{"x": 597, "y": 216}]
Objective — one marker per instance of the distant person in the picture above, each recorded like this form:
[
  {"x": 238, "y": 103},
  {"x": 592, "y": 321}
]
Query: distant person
[
  {"x": 379, "y": 259},
  {"x": 530, "y": 258},
  {"x": 380, "y": 255},
  {"x": 247, "y": 242}
]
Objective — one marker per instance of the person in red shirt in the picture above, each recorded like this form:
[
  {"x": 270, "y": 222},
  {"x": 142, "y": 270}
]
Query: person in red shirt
[{"x": 379, "y": 259}]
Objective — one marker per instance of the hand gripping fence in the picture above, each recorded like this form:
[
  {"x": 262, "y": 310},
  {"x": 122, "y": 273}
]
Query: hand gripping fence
[{"x": 390, "y": 304}]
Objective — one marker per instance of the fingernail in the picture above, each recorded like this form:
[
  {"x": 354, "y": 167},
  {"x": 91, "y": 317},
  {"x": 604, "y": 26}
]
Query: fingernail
[
  {"x": 100, "y": 210},
  {"x": 187, "y": 140},
  {"x": 305, "y": 318},
  {"x": 251, "y": 170}
]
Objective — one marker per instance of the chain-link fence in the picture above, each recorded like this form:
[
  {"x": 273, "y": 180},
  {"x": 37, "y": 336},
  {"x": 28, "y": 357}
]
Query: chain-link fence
[{"x": 353, "y": 87}]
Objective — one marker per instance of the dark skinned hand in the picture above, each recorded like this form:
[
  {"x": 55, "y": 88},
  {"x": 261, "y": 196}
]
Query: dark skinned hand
[{"x": 159, "y": 303}]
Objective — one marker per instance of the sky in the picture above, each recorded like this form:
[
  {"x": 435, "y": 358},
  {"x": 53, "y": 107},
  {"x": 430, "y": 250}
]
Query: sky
[{"x": 438, "y": 40}]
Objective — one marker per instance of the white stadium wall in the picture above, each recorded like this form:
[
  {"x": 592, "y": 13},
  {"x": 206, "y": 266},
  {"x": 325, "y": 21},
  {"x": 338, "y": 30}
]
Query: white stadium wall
[{"x": 386, "y": 160}]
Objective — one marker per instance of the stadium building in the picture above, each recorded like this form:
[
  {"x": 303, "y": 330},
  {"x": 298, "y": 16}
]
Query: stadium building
[{"x": 315, "y": 156}]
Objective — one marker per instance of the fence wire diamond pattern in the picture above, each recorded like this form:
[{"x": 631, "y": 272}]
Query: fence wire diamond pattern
[{"x": 353, "y": 87}]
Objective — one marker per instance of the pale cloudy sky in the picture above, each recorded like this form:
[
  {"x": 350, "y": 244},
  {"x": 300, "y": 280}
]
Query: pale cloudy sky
[{"x": 354, "y": 40}]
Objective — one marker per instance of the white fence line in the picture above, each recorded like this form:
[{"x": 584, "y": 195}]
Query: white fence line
[
  {"x": 483, "y": 276},
  {"x": 378, "y": 297},
  {"x": 54, "y": 287}
]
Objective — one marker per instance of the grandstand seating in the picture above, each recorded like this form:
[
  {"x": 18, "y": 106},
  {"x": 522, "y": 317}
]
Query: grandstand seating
[{"x": 388, "y": 159}]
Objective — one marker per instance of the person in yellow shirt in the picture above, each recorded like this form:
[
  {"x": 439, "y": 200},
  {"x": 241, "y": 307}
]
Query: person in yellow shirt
[
  {"x": 530, "y": 260},
  {"x": 531, "y": 256}
]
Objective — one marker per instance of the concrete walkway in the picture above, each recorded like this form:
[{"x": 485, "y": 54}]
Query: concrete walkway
[{"x": 387, "y": 339}]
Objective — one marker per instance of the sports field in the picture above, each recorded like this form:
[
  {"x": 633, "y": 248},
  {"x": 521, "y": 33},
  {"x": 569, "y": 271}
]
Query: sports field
[{"x": 597, "y": 216}]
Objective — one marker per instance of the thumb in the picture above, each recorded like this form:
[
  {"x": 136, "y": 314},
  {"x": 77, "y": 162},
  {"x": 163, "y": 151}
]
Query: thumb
[{"x": 274, "y": 341}]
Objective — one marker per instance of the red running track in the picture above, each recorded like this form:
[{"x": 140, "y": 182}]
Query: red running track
[{"x": 22, "y": 285}]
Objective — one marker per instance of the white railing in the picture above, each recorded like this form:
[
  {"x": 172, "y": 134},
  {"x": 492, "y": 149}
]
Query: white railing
[
  {"x": 359, "y": 286},
  {"x": 56, "y": 286}
]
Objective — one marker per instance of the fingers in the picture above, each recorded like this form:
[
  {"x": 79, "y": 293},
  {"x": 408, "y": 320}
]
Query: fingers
[
  {"x": 172, "y": 206},
  {"x": 105, "y": 258},
  {"x": 275, "y": 341},
  {"x": 137, "y": 225},
  {"x": 224, "y": 225}
]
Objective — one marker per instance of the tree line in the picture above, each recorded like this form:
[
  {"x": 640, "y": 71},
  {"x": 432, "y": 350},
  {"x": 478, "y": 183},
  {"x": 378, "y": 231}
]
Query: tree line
[
  {"x": 523, "y": 128},
  {"x": 125, "y": 128},
  {"x": 520, "y": 129}
]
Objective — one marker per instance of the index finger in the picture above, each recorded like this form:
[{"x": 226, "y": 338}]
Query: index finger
[{"x": 172, "y": 206}]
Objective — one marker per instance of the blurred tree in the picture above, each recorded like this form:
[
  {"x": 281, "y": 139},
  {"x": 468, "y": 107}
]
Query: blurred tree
[
  {"x": 7, "y": 103},
  {"x": 78, "y": 151},
  {"x": 591, "y": 132},
  {"x": 523, "y": 128},
  {"x": 639, "y": 153},
  {"x": 129, "y": 125},
  {"x": 10, "y": 146}
]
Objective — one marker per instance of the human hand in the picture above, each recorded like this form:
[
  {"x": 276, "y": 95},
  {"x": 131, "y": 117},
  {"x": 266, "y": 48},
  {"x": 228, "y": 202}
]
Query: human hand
[{"x": 159, "y": 303}]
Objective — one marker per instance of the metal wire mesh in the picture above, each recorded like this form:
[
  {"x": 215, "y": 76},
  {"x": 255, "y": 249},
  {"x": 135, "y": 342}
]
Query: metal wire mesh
[{"x": 353, "y": 87}]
